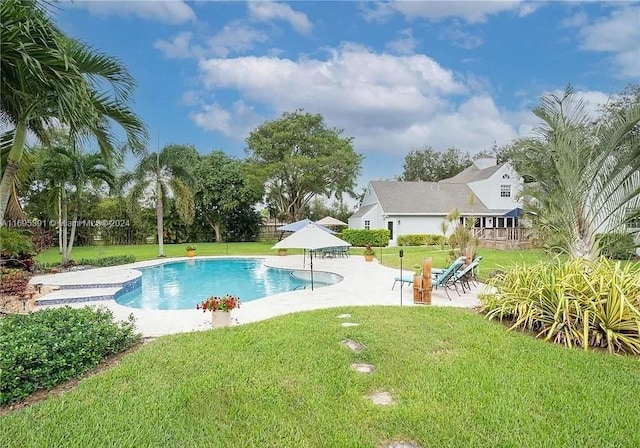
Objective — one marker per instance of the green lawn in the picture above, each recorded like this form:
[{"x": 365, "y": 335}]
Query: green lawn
[
  {"x": 494, "y": 259},
  {"x": 458, "y": 379}
]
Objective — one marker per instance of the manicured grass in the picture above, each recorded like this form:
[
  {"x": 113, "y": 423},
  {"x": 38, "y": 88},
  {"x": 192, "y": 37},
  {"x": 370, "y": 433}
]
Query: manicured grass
[
  {"x": 493, "y": 260},
  {"x": 458, "y": 379},
  {"x": 150, "y": 251}
]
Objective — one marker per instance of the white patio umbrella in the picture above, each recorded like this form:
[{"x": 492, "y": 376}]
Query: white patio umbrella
[
  {"x": 310, "y": 237},
  {"x": 331, "y": 221}
]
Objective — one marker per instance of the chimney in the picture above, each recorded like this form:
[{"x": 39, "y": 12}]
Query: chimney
[{"x": 485, "y": 162}]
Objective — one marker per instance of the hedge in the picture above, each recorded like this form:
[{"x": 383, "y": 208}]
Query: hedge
[
  {"x": 43, "y": 349},
  {"x": 362, "y": 237}
]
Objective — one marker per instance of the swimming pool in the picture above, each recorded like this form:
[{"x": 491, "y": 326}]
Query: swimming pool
[{"x": 180, "y": 285}]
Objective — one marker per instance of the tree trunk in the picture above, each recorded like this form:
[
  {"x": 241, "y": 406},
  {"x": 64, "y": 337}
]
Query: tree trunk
[
  {"x": 159, "y": 220},
  {"x": 216, "y": 229},
  {"x": 13, "y": 163},
  {"x": 73, "y": 233},
  {"x": 65, "y": 258},
  {"x": 60, "y": 220}
]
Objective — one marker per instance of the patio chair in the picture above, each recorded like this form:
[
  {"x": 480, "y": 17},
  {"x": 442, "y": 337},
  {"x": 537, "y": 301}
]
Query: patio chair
[
  {"x": 407, "y": 277},
  {"x": 464, "y": 274},
  {"x": 446, "y": 278}
]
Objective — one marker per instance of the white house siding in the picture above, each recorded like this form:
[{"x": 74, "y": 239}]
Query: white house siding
[
  {"x": 488, "y": 190},
  {"x": 407, "y": 225},
  {"x": 374, "y": 216}
]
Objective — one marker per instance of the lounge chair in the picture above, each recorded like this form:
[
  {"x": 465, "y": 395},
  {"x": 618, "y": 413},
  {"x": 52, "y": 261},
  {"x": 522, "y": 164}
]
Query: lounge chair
[
  {"x": 465, "y": 274},
  {"x": 407, "y": 277},
  {"x": 446, "y": 278}
]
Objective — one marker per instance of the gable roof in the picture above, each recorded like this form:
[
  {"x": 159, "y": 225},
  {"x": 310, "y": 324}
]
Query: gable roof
[
  {"x": 472, "y": 174},
  {"x": 434, "y": 198},
  {"x": 362, "y": 211}
]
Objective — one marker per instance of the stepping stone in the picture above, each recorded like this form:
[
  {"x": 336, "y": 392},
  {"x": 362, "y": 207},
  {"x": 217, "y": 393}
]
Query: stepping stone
[
  {"x": 381, "y": 398},
  {"x": 399, "y": 444},
  {"x": 363, "y": 368},
  {"x": 349, "y": 324},
  {"x": 353, "y": 345},
  {"x": 343, "y": 316}
]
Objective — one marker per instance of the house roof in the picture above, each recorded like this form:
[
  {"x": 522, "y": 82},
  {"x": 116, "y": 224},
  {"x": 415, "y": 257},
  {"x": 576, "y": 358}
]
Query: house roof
[
  {"x": 362, "y": 211},
  {"x": 471, "y": 174},
  {"x": 426, "y": 198}
]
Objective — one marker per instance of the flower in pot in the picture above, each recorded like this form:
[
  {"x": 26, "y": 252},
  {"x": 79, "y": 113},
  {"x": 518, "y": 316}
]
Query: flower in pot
[
  {"x": 417, "y": 269},
  {"x": 369, "y": 253},
  {"x": 220, "y": 308},
  {"x": 191, "y": 250}
]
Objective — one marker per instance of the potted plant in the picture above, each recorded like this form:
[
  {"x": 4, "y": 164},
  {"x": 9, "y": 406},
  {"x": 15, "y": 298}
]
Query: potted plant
[
  {"x": 369, "y": 253},
  {"x": 220, "y": 308},
  {"x": 282, "y": 252},
  {"x": 191, "y": 250},
  {"x": 417, "y": 269}
]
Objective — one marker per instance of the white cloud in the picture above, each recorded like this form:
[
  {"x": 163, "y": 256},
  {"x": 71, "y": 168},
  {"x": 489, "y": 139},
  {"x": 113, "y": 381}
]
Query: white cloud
[
  {"x": 235, "y": 37},
  {"x": 391, "y": 104},
  {"x": 174, "y": 12},
  {"x": 267, "y": 11},
  {"x": 460, "y": 38},
  {"x": 235, "y": 123},
  {"x": 404, "y": 44},
  {"x": 178, "y": 47},
  {"x": 469, "y": 11},
  {"x": 618, "y": 35}
]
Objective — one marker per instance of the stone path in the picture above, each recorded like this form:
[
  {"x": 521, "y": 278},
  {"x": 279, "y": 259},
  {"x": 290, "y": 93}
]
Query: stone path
[{"x": 378, "y": 398}]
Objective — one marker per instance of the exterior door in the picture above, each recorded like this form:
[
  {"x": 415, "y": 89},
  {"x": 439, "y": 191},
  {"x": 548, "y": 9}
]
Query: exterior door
[{"x": 390, "y": 227}]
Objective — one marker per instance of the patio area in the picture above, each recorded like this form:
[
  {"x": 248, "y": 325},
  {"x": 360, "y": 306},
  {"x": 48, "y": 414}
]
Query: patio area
[{"x": 364, "y": 284}]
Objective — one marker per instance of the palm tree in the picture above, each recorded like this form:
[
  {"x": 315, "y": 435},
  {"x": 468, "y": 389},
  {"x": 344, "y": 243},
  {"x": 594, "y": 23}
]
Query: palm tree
[
  {"x": 586, "y": 176},
  {"x": 68, "y": 173},
  {"x": 159, "y": 176},
  {"x": 46, "y": 76}
]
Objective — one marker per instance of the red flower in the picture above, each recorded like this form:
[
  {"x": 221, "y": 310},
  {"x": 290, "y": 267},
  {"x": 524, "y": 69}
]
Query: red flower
[{"x": 215, "y": 303}]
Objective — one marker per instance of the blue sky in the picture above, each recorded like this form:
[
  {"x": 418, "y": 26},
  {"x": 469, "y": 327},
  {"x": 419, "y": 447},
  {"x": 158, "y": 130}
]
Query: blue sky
[{"x": 396, "y": 76}]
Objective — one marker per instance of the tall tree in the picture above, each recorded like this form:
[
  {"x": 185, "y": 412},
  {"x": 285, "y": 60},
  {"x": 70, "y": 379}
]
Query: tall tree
[
  {"x": 47, "y": 76},
  {"x": 161, "y": 175},
  {"x": 297, "y": 157},
  {"x": 429, "y": 165},
  {"x": 223, "y": 192},
  {"x": 587, "y": 177},
  {"x": 68, "y": 173}
]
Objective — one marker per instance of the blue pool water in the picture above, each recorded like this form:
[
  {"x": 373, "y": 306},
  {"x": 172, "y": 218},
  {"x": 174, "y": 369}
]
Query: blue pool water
[{"x": 182, "y": 284}]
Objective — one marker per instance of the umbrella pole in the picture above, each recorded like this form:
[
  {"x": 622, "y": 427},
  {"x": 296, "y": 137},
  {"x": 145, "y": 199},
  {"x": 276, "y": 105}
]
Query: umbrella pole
[{"x": 311, "y": 270}]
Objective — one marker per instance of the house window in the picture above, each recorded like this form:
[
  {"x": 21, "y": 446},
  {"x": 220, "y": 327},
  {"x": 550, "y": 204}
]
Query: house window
[
  {"x": 505, "y": 191},
  {"x": 634, "y": 224},
  {"x": 500, "y": 222},
  {"x": 367, "y": 225}
]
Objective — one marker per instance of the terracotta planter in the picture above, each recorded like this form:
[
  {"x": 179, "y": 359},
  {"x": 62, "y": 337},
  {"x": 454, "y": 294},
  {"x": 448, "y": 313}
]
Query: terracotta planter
[
  {"x": 283, "y": 252},
  {"x": 220, "y": 319},
  {"x": 191, "y": 253},
  {"x": 368, "y": 257}
]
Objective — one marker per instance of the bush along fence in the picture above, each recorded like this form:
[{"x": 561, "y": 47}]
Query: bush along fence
[{"x": 362, "y": 237}]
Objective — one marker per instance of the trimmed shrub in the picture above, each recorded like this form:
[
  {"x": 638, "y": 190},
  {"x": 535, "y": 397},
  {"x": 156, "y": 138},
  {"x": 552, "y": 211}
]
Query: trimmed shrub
[
  {"x": 362, "y": 237},
  {"x": 107, "y": 261},
  {"x": 577, "y": 303},
  {"x": 416, "y": 239},
  {"x": 616, "y": 245},
  {"x": 45, "y": 348}
]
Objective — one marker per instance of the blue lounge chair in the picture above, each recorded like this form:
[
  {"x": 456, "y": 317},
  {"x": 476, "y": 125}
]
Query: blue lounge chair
[
  {"x": 446, "y": 278},
  {"x": 407, "y": 277},
  {"x": 465, "y": 274}
]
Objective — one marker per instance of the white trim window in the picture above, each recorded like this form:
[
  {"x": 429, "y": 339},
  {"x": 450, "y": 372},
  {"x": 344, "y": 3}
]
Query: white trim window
[
  {"x": 505, "y": 191},
  {"x": 367, "y": 224}
]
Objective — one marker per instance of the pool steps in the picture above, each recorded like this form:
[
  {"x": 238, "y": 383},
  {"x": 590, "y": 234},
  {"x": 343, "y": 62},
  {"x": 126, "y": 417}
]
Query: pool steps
[{"x": 88, "y": 292}]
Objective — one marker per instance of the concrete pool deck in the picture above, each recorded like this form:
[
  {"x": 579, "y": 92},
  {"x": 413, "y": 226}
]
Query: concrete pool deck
[{"x": 364, "y": 283}]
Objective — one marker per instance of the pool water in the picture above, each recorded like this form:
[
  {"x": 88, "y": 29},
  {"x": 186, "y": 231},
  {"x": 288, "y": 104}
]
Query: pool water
[{"x": 181, "y": 285}]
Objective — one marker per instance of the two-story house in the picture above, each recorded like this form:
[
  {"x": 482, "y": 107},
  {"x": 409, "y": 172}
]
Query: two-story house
[{"x": 485, "y": 191}]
